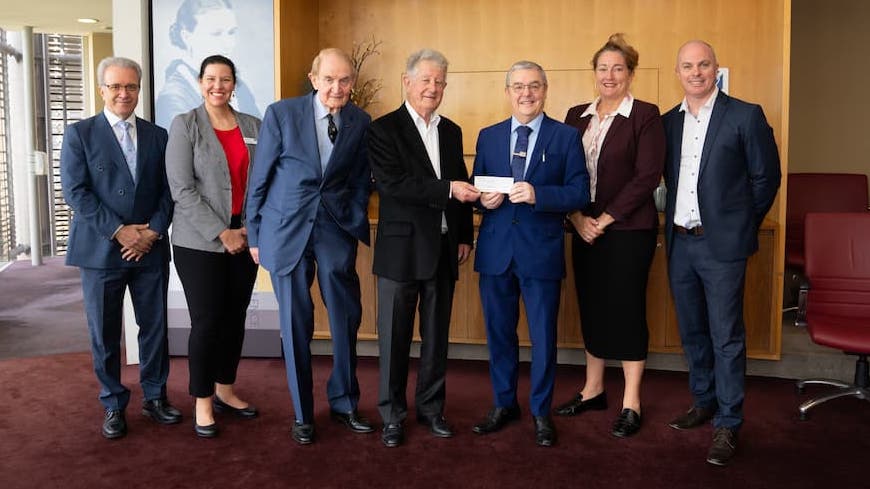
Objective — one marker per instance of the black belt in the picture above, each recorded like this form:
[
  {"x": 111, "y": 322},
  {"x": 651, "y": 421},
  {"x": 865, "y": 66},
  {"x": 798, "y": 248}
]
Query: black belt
[{"x": 695, "y": 231}]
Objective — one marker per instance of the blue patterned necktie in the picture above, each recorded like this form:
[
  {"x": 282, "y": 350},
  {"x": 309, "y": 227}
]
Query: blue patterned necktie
[
  {"x": 518, "y": 160},
  {"x": 127, "y": 147}
]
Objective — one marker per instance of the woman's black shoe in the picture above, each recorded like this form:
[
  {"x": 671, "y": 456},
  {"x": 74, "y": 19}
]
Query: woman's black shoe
[
  {"x": 626, "y": 424},
  {"x": 249, "y": 412},
  {"x": 209, "y": 431},
  {"x": 577, "y": 405}
]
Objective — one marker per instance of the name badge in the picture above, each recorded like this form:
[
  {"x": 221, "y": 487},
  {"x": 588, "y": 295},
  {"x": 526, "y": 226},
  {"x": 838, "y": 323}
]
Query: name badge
[{"x": 250, "y": 140}]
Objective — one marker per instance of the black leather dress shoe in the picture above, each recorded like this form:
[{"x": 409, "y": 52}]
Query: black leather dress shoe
[
  {"x": 695, "y": 417},
  {"x": 353, "y": 420},
  {"x": 161, "y": 411},
  {"x": 545, "y": 431},
  {"x": 626, "y": 424},
  {"x": 393, "y": 434},
  {"x": 723, "y": 448},
  {"x": 209, "y": 431},
  {"x": 249, "y": 412},
  {"x": 577, "y": 405},
  {"x": 496, "y": 419},
  {"x": 114, "y": 424},
  {"x": 303, "y": 433},
  {"x": 437, "y": 425}
]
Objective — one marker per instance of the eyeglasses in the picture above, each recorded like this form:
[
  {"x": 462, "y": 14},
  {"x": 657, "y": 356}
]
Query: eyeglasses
[
  {"x": 533, "y": 87},
  {"x": 116, "y": 87}
]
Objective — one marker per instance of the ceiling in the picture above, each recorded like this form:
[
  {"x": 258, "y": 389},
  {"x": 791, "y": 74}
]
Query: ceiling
[{"x": 56, "y": 16}]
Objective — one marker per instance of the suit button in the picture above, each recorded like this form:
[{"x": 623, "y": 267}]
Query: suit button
[
  {"x": 121, "y": 192},
  {"x": 515, "y": 221},
  {"x": 311, "y": 220}
]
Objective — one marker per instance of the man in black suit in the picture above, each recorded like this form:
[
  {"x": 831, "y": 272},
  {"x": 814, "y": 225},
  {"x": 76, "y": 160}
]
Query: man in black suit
[
  {"x": 722, "y": 173},
  {"x": 424, "y": 233}
]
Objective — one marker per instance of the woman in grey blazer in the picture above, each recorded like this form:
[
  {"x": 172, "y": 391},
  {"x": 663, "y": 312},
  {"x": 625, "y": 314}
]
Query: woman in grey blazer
[{"x": 208, "y": 158}]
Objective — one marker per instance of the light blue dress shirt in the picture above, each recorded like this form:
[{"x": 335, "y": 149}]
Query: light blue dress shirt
[{"x": 321, "y": 125}]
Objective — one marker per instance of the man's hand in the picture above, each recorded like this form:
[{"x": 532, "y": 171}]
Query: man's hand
[
  {"x": 464, "y": 252},
  {"x": 136, "y": 240},
  {"x": 464, "y": 191},
  {"x": 522, "y": 192},
  {"x": 234, "y": 240},
  {"x": 491, "y": 200},
  {"x": 255, "y": 254}
]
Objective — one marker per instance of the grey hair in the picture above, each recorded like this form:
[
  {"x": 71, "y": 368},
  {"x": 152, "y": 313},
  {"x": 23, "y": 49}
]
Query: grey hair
[
  {"x": 120, "y": 63},
  {"x": 524, "y": 65},
  {"x": 425, "y": 54}
]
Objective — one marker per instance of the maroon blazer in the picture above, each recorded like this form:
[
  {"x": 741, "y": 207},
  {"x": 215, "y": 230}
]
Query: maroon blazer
[{"x": 630, "y": 166}]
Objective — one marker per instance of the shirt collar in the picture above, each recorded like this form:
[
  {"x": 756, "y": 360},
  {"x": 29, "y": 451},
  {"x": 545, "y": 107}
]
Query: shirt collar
[
  {"x": 418, "y": 119},
  {"x": 113, "y": 119},
  {"x": 624, "y": 108},
  {"x": 320, "y": 110},
  {"x": 684, "y": 106},
  {"x": 535, "y": 123}
]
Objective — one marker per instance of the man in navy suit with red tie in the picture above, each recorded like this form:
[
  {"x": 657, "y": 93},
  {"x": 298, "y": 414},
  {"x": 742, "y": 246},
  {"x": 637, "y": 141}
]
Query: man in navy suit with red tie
[
  {"x": 114, "y": 178},
  {"x": 520, "y": 246},
  {"x": 722, "y": 173}
]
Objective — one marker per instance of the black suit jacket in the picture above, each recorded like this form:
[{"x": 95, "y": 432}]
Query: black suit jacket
[
  {"x": 738, "y": 180},
  {"x": 412, "y": 197}
]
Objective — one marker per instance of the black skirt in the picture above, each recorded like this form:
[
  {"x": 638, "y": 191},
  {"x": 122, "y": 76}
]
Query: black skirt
[{"x": 611, "y": 281}]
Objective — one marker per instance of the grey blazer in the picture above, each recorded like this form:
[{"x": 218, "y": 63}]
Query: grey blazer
[{"x": 199, "y": 178}]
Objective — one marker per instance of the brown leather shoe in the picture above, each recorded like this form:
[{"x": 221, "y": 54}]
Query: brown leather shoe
[
  {"x": 695, "y": 417},
  {"x": 723, "y": 448}
]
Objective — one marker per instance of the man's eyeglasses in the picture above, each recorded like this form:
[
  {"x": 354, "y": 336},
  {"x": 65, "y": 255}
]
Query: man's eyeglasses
[
  {"x": 533, "y": 87},
  {"x": 116, "y": 87}
]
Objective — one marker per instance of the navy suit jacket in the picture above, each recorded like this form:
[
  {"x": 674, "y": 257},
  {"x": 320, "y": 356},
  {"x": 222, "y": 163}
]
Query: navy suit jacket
[
  {"x": 738, "y": 180},
  {"x": 532, "y": 235},
  {"x": 99, "y": 188},
  {"x": 286, "y": 186}
]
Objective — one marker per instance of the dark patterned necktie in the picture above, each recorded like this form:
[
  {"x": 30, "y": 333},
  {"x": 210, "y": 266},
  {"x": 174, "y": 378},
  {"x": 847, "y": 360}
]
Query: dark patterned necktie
[
  {"x": 518, "y": 160},
  {"x": 331, "y": 130}
]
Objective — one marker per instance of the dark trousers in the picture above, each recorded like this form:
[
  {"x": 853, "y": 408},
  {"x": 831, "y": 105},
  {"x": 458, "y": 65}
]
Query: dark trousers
[
  {"x": 397, "y": 301},
  {"x": 103, "y": 291},
  {"x": 330, "y": 254},
  {"x": 708, "y": 295},
  {"x": 218, "y": 289},
  {"x": 500, "y": 298}
]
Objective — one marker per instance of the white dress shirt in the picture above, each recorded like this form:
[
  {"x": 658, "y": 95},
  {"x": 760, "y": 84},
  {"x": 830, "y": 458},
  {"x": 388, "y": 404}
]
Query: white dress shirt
[
  {"x": 687, "y": 213},
  {"x": 595, "y": 133},
  {"x": 429, "y": 135}
]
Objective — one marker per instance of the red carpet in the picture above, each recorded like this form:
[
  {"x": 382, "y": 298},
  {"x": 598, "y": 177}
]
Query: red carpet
[{"x": 50, "y": 420}]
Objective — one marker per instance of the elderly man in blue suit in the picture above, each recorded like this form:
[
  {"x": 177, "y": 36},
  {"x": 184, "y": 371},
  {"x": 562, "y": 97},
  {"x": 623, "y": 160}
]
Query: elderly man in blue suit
[
  {"x": 722, "y": 173},
  {"x": 520, "y": 246},
  {"x": 114, "y": 179},
  {"x": 307, "y": 208}
]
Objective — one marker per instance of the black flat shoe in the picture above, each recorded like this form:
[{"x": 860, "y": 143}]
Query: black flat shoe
[
  {"x": 209, "y": 431},
  {"x": 577, "y": 405},
  {"x": 249, "y": 412},
  {"x": 626, "y": 424}
]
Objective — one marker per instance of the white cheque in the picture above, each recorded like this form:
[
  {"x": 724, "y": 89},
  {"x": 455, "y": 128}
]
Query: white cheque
[{"x": 501, "y": 185}]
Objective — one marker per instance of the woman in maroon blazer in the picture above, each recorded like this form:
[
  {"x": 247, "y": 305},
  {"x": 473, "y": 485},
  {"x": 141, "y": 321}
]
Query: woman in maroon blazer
[{"x": 615, "y": 238}]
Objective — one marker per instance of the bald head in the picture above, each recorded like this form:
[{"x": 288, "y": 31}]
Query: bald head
[{"x": 697, "y": 44}]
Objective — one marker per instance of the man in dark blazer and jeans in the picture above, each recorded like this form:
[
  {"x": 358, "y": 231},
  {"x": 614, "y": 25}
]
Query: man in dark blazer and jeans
[
  {"x": 113, "y": 177},
  {"x": 424, "y": 233},
  {"x": 722, "y": 173}
]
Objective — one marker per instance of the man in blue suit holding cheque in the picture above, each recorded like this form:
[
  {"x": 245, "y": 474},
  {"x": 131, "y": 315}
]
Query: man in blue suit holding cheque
[
  {"x": 722, "y": 173},
  {"x": 520, "y": 246},
  {"x": 307, "y": 208}
]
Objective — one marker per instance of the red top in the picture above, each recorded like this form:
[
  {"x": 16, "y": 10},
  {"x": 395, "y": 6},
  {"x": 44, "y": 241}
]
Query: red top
[{"x": 237, "y": 160}]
